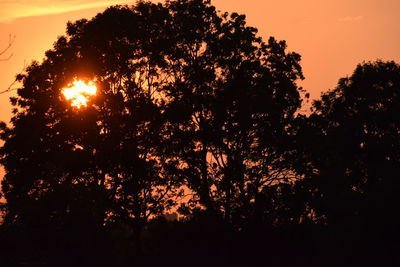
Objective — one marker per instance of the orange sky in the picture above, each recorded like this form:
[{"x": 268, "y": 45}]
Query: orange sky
[{"x": 331, "y": 35}]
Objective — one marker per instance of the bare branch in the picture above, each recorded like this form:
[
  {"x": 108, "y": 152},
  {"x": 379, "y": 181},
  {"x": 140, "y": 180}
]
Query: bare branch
[
  {"x": 11, "y": 39},
  {"x": 10, "y": 87}
]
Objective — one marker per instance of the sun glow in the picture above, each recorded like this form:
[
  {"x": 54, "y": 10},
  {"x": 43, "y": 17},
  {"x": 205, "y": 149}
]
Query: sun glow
[{"x": 79, "y": 92}]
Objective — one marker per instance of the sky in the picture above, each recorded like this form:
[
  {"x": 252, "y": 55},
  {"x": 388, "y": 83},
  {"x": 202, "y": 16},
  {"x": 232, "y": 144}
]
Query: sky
[{"x": 332, "y": 36}]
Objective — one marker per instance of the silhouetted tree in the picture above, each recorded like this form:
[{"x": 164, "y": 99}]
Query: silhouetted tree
[
  {"x": 98, "y": 164},
  {"x": 353, "y": 149},
  {"x": 230, "y": 103}
]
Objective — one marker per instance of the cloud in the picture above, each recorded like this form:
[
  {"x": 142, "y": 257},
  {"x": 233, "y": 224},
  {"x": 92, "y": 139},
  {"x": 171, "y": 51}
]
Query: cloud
[
  {"x": 348, "y": 18},
  {"x": 14, "y": 9}
]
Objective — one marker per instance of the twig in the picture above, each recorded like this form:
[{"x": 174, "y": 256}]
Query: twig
[
  {"x": 10, "y": 87},
  {"x": 11, "y": 40}
]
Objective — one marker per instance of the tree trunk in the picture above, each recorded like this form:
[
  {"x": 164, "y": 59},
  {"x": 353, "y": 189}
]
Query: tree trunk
[{"x": 204, "y": 193}]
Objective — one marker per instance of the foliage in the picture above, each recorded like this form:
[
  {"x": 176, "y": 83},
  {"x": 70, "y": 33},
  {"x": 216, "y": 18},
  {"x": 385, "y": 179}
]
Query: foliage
[
  {"x": 353, "y": 154},
  {"x": 99, "y": 163},
  {"x": 194, "y": 109},
  {"x": 187, "y": 97},
  {"x": 229, "y": 108}
]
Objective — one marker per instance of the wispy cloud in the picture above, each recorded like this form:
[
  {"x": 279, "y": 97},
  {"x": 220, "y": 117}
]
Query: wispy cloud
[
  {"x": 14, "y": 9},
  {"x": 349, "y": 18}
]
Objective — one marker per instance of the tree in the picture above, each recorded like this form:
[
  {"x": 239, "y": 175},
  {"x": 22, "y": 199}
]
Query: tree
[
  {"x": 230, "y": 106},
  {"x": 353, "y": 161},
  {"x": 94, "y": 165}
]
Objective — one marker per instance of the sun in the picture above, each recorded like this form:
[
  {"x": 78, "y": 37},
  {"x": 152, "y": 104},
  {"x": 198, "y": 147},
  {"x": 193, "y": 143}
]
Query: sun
[{"x": 79, "y": 92}]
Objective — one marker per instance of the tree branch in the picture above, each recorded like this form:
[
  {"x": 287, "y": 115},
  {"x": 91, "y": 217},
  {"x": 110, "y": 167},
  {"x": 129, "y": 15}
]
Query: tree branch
[
  {"x": 11, "y": 40},
  {"x": 10, "y": 87}
]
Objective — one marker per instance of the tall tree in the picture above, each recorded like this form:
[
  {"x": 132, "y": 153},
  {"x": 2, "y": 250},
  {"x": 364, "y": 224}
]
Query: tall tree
[
  {"x": 230, "y": 104},
  {"x": 99, "y": 163}
]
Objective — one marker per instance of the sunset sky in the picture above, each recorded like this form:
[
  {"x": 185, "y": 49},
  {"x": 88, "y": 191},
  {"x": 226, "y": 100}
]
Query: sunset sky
[{"x": 331, "y": 35}]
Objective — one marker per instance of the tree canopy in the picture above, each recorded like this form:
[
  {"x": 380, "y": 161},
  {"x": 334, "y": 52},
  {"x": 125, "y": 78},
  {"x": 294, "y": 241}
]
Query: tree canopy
[{"x": 357, "y": 155}]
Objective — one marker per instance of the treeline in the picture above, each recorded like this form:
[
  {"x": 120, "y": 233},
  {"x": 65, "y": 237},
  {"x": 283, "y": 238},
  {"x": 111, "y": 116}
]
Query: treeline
[{"x": 195, "y": 114}]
